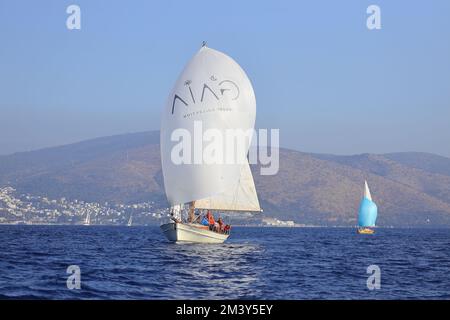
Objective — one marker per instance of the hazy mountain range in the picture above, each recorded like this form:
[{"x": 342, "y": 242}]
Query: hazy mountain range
[{"x": 411, "y": 189}]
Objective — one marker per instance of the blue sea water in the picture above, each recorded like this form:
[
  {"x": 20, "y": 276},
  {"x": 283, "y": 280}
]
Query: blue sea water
[{"x": 255, "y": 263}]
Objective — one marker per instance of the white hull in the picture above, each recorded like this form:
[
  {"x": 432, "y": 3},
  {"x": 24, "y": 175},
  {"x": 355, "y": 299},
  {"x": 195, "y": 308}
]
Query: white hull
[{"x": 182, "y": 232}]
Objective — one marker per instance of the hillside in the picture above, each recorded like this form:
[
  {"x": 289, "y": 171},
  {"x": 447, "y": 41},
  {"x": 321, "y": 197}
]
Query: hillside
[{"x": 409, "y": 188}]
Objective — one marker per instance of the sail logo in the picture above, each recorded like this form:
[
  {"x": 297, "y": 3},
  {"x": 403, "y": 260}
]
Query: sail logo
[
  {"x": 226, "y": 147},
  {"x": 214, "y": 89}
]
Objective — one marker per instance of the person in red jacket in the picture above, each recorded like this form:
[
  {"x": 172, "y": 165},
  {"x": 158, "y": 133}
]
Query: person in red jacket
[{"x": 210, "y": 220}]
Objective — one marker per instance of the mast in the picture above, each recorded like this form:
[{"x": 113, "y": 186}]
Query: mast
[{"x": 191, "y": 217}]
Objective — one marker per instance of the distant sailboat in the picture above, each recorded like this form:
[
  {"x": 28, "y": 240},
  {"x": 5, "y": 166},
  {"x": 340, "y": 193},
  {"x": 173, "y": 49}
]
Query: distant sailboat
[
  {"x": 368, "y": 211},
  {"x": 87, "y": 220},
  {"x": 130, "y": 221},
  {"x": 212, "y": 90}
]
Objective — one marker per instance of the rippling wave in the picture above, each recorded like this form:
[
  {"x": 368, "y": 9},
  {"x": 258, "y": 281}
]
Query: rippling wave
[{"x": 255, "y": 263}]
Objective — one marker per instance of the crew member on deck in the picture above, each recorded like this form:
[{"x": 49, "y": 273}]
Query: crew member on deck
[
  {"x": 210, "y": 220},
  {"x": 221, "y": 225}
]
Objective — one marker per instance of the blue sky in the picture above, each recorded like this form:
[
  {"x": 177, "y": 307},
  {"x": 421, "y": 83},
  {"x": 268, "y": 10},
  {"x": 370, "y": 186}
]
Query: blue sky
[{"x": 328, "y": 83}]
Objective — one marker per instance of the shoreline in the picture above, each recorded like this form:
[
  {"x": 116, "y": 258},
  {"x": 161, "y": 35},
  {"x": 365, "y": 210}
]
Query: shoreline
[{"x": 238, "y": 226}]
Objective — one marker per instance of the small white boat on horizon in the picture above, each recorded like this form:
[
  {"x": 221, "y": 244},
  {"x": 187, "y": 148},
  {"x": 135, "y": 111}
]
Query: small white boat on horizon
[{"x": 87, "y": 220}]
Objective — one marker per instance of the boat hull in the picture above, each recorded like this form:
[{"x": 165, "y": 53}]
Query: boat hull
[
  {"x": 365, "y": 231},
  {"x": 182, "y": 232}
]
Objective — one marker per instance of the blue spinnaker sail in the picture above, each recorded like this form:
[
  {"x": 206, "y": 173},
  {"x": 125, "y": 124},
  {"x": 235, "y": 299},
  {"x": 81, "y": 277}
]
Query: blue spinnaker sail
[{"x": 368, "y": 211}]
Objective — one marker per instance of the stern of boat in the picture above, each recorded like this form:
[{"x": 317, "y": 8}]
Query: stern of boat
[
  {"x": 184, "y": 232},
  {"x": 365, "y": 231}
]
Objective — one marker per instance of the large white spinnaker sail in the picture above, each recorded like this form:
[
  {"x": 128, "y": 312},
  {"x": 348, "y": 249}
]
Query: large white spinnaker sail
[{"x": 215, "y": 92}]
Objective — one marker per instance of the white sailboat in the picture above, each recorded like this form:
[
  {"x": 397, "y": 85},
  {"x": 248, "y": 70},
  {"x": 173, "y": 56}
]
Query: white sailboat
[
  {"x": 130, "y": 220},
  {"x": 214, "y": 91},
  {"x": 87, "y": 220}
]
